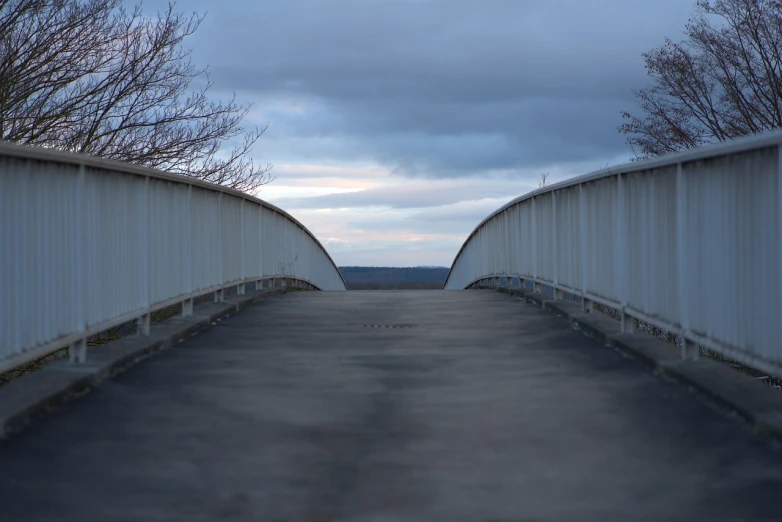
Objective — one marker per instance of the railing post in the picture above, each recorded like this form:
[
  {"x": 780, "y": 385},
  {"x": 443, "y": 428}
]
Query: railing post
[
  {"x": 241, "y": 250},
  {"x": 78, "y": 350},
  {"x": 557, "y": 292},
  {"x": 690, "y": 350},
  {"x": 586, "y": 306},
  {"x": 220, "y": 244},
  {"x": 271, "y": 244},
  {"x": 143, "y": 324},
  {"x": 534, "y": 212},
  {"x": 779, "y": 229},
  {"x": 261, "y": 220},
  {"x": 621, "y": 257},
  {"x": 187, "y": 304},
  {"x": 284, "y": 247},
  {"x": 682, "y": 261},
  {"x": 651, "y": 226}
]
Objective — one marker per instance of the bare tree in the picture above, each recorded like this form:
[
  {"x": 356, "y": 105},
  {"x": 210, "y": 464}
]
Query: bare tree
[
  {"x": 91, "y": 76},
  {"x": 543, "y": 180},
  {"x": 724, "y": 80}
]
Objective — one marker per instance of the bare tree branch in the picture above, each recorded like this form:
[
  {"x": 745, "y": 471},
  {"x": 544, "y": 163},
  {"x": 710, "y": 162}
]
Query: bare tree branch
[
  {"x": 724, "y": 80},
  {"x": 91, "y": 76}
]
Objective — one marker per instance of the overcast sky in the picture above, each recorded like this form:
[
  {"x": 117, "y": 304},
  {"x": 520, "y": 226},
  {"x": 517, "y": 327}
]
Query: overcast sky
[{"x": 395, "y": 126}]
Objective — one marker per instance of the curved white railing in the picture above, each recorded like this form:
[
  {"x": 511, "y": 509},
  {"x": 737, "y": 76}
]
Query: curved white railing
[
  {"x": 690, "y": 242},
  {"x": 88, "y": 244}
]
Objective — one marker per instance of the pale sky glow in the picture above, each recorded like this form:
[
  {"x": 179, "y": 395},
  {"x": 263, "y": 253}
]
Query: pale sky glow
[{"x": 395, "y": 126}]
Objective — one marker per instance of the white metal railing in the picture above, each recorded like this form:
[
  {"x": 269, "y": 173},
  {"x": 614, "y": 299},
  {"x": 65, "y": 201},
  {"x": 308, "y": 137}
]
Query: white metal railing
[
  {"x": 87, "y": 244},
  {"x": 690, "y": 242}
]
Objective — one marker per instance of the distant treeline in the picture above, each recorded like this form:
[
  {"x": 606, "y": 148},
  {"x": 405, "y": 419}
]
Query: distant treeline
[
  {"x": 405, "y": 285},
  {"x": 393, "y": 278}
]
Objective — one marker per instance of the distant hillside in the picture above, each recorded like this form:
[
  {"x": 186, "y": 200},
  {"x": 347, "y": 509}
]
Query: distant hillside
[{"x": 393, "y": 278}]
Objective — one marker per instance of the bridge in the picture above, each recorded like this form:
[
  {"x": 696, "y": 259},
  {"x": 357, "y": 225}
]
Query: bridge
[{"x": 231, "y": 390}]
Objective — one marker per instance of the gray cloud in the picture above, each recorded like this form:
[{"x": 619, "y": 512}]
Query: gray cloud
[
  {"x": 438, "y": 87},
  {"x": 412, "y": 196},
  {"x": 465, "y": 215}
]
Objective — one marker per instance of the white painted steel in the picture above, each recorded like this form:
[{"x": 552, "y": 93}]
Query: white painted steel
[
  {"x": 87, "y": 244},
  {"x": 690, "y": 242}
]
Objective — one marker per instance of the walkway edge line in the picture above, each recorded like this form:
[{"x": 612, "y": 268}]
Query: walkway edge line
[
  {"x": 51, "y": 387},
  {"x": 760, "y": 406}
]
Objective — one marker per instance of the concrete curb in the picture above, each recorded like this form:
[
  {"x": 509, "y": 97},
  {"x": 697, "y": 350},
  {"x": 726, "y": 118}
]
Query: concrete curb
[
  {"x": 52, "y": 386},
  {"x": 760, "y": 406}
]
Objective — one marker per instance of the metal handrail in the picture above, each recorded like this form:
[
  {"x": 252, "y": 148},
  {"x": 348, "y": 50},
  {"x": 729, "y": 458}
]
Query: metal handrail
[
  {"x": 690, "y": 242},
  {"x": 88, "y": 243}
]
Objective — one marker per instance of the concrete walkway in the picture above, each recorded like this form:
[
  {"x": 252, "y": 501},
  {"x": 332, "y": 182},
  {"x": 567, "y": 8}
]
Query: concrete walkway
[{"x": 389, "y": 406}]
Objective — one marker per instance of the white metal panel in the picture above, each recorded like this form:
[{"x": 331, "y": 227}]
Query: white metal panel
[
  {"x": 40, "y": 253},
  {"x": 525, "y": 238},
  {"x": 205, "y": 243},
  {"x": 169, "y": 256},
  {"x": 278, "y": 246},
  {"x": 116, "y": 245},
  {"x": 267, "y": 252},
  {"x": 651, "y": 249},
  {"x": 568, "y": 238},
  {"x": 602, "y": 232},
  {"x": 732, "y": 247},
  {"x": 231, "y": 223},
  {"x": 544, "y": 219},
  {"x": 251, "y": 228}
]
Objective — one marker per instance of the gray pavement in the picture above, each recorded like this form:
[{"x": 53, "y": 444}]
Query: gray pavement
[{"x": 389, "y": 406}]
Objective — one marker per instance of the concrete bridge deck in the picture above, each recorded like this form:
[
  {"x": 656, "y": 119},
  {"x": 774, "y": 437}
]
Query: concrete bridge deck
[{"x": 389, "y": 406}]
